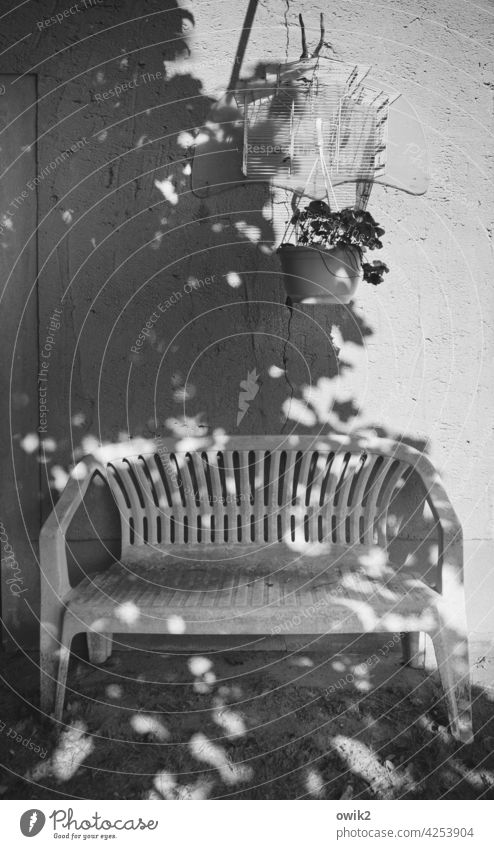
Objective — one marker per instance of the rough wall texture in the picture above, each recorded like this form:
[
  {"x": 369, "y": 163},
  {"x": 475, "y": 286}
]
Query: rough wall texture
[{"x": 412, "y": 357}]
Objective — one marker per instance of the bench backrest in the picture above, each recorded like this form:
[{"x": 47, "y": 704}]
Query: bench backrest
[{"x": 257, "y": 490}]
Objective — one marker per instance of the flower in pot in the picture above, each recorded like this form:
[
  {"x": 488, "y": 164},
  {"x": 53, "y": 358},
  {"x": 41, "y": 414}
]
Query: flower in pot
[{"x": 326, "y": 263}]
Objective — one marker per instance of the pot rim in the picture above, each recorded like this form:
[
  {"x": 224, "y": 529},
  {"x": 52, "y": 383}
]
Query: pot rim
[{"x": 319, "y": 249}]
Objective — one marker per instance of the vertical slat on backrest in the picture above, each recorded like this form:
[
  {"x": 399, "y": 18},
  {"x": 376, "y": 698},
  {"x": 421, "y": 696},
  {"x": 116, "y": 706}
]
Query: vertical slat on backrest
[
  {"x": 191, "y": 511},
  {"x": 205, "y": 505},
  {"x": 388, "y": 487},
  {"x": 245, "y": 505},
  {"x": 259, "y": 508},
  {"x": 335, "y": 473},
  {"x": 315, "y": 494},
  {"x": 300, "y": 508},
  {"x": 164, "y": 510},
  {"x": 273, "y": 484},
  {"x": 342, "y": 508},
  {"x": 357, "y": 513},
  {"x": 217, "y": 496},
  {"x": 324, "y": 511},
  {"x": 372, "y": 499},
  {"x": 178, "y": 511},
  {"x": 119, "y": 491},
  {"x": 150, "y": 534},
  {"x": 231, "y": 496},
  {"x": 137, "y": 510},
  {"x": 287, "y": 494}
]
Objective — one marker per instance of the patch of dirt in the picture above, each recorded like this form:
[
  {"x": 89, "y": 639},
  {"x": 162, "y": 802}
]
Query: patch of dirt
[{"x": 240, "y": 725}]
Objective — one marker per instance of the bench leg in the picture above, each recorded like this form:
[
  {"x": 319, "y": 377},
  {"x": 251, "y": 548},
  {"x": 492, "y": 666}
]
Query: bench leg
[
  {"x": 70, "y": 628},
  {"x": 413, "y": 648},
  {"x": 50, "y": 640},
  {"x": 98, "y": 646},
  {"x": 63, "y": 667},
  {"x": 451, "y": 649}
]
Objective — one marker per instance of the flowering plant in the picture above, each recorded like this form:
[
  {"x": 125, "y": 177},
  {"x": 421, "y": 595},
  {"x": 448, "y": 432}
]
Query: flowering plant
[{"x": 355, "y": 228}]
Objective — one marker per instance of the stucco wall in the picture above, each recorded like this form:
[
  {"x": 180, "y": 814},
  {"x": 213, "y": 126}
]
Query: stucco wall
[{"x": 412, "y": 357}]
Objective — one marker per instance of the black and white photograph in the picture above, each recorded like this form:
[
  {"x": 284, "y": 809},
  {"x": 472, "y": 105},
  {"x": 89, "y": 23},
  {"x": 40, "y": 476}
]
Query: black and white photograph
[{"x": 247, "y": 421}]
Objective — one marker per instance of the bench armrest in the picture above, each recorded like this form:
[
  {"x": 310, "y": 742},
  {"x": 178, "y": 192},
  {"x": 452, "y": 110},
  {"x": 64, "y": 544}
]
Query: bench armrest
[
  {"x": 450, "y": 560},
  {"x": 449, "y": 573},
  {"x": 53, "y": 557}
]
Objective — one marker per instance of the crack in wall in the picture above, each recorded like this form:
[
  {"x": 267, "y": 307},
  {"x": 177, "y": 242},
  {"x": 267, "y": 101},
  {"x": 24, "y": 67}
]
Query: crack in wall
[{"x": 287, "y": 26}]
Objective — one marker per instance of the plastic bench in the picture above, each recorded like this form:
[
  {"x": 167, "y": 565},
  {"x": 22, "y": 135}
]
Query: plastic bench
[{"x": 234, "y": 535}]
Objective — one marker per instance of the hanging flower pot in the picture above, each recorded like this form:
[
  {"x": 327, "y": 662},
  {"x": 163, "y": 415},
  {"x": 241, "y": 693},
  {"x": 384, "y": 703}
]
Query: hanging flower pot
[
  {"x": 316, "y": 275},
  {"x": 325, "y": 263}
]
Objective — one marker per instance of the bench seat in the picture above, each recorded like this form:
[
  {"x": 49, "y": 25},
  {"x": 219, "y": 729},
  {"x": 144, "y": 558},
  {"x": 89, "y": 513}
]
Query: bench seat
[{"x": 333, "y": 593}]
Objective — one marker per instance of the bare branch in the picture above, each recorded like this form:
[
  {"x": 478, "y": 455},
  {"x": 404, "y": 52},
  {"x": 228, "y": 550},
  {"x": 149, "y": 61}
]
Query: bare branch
[
  {"x": 305, "y": 54},
  {"x": 321, "y": 40}
]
